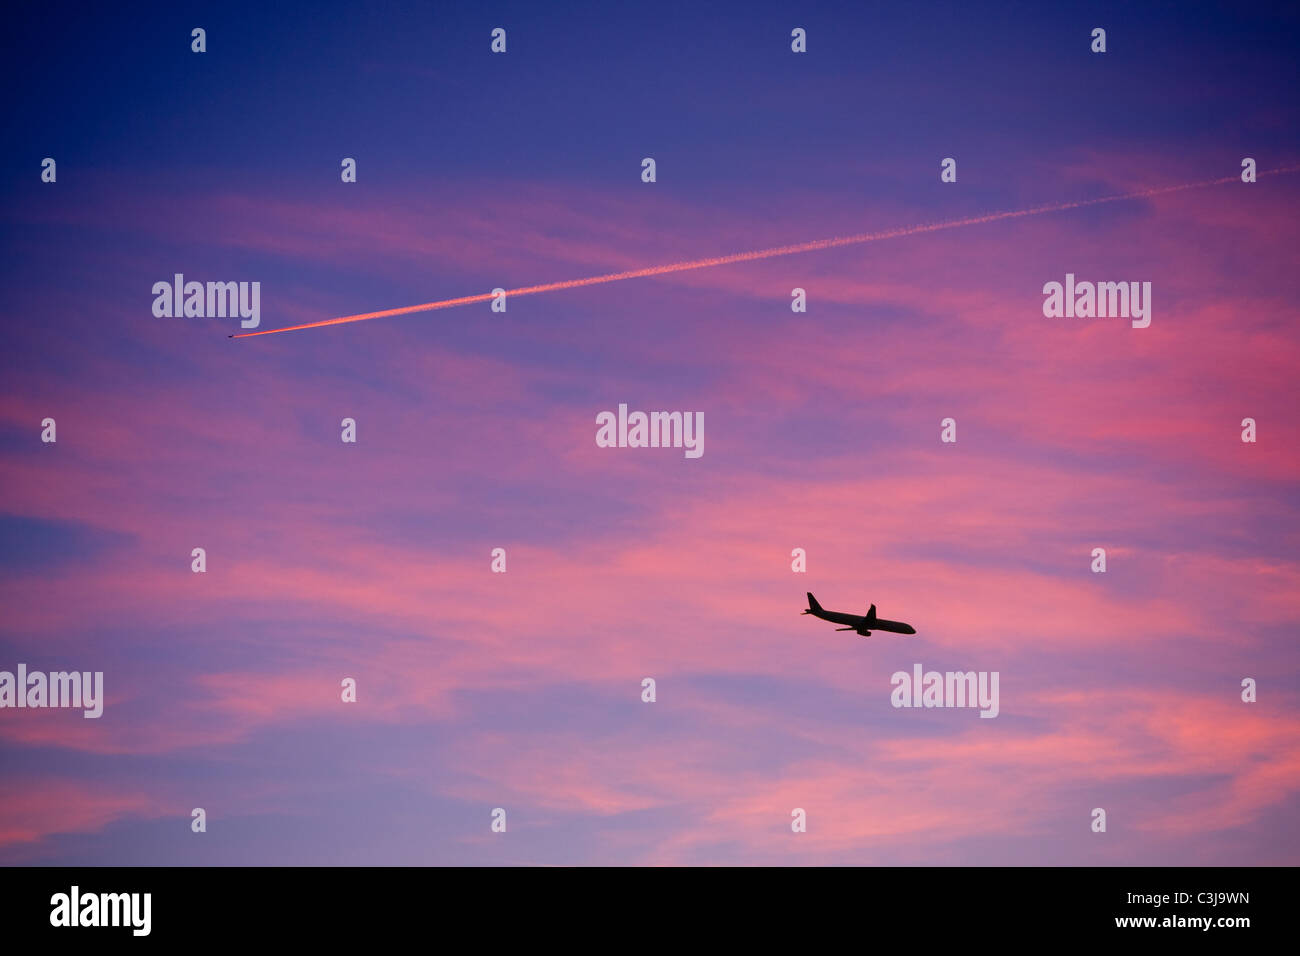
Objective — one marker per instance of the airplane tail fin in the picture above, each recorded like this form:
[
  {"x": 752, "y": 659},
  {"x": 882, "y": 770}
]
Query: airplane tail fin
[
  {"x": 871, "y": 615},
  {"x": 812, "y": 603}
]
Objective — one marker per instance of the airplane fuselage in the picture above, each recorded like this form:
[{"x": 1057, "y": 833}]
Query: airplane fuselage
[
  {"x": 858, "y": 621},
  {"x": 864, "y": 624}
]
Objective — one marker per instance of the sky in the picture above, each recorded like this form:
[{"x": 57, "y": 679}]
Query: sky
[{"x": 476, "y": 430}]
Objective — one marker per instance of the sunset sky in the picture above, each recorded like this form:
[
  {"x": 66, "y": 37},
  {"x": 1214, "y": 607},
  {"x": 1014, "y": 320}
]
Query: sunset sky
[{"x": 476, "y": 430}]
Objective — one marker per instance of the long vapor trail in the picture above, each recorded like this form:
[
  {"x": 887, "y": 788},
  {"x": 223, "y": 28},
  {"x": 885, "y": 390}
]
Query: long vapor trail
[{"x": 813, "y": 246}]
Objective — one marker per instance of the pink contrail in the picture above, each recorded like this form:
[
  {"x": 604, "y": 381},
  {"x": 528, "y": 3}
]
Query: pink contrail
[{"x": 813, "y": 246}]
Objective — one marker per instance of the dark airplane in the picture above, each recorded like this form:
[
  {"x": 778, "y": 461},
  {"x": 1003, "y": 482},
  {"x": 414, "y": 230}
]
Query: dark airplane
[{"x": 863, "y": 625}]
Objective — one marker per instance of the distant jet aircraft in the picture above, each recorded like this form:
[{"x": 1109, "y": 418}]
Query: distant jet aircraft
[{"x": 864, "y": 625}]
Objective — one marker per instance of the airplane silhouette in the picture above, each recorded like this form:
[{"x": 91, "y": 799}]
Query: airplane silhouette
[{"x": 864, "y": 625}]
